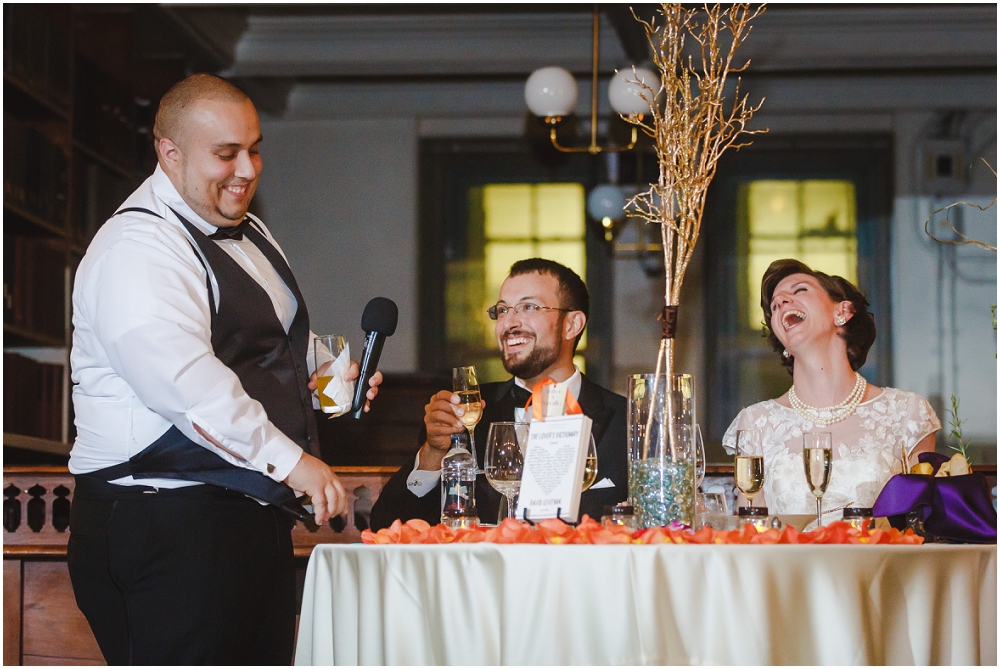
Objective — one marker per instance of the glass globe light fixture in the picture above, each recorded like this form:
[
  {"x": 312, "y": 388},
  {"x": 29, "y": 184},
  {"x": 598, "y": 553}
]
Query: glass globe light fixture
[
  {"x": 550, "y": 92},
  {"x": 626, "y": 93},
  {"x": 606, "y": 203}
]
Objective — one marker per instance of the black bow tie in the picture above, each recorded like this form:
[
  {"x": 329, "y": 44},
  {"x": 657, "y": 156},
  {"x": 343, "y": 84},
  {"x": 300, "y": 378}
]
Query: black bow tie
[
  {"x": 235, "y": 232},
  {"x": 521, "y": 396}
]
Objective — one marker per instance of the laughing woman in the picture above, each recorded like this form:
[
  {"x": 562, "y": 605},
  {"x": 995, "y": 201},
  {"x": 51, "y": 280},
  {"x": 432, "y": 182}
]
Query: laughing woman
[{"x": 821, "y": 327}]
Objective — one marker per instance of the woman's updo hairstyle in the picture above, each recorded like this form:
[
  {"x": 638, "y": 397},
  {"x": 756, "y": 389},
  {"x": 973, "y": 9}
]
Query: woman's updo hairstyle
[{"x": 858, "y": 332}]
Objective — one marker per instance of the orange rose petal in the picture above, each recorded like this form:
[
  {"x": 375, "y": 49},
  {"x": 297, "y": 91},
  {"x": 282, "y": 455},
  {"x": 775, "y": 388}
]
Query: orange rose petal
[
  {"x": 418, "y": 524},
  {"x": 555, "y": 526},
  {"x": 703, "y": 536},
  {"x": 589, "y": 531},
  {"x": 789, "y": 535},
  {"x": 472, "y": 537},
  {"x": 439, "y": 534}
]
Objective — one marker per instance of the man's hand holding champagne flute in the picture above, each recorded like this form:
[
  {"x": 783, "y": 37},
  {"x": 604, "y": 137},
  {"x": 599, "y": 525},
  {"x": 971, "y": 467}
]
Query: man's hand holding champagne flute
[
  {"x": 451, "y": 412},
  {"x": 466, "y": 386}
]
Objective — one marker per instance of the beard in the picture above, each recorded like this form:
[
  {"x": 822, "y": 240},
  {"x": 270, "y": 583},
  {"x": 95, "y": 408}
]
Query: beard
[{"x": 536, "y": 362}]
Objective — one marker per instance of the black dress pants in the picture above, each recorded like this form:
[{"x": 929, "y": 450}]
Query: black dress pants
[{"x": 193, "y": 576}]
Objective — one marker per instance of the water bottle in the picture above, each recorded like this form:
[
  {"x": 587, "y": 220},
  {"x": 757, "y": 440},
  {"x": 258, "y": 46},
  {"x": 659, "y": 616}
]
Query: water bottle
[{"x": 458, "y": 485}]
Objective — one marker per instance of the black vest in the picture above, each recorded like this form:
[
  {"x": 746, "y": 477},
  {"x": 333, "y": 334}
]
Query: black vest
[{"x": 270, "y": 363}]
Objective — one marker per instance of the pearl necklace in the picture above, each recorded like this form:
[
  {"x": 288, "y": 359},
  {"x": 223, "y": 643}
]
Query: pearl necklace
[{"x": 824, "y": 416}]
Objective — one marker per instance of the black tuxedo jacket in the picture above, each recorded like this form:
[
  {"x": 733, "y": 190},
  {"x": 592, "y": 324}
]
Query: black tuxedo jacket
[{"x": 607, "y": 411}]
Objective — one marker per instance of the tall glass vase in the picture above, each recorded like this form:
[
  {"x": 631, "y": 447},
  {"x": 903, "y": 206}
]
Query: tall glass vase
[{"x": 662, "y": 448}]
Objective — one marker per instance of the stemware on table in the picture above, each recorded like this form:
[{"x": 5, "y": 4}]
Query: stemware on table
[
  {"x": 748, "y": 465},
  {"x": 590, "y": 469},
  {"x": 465, "y": 384},
  {"x": 817, "y": 457},
  {"x": 504, "y": 462}
]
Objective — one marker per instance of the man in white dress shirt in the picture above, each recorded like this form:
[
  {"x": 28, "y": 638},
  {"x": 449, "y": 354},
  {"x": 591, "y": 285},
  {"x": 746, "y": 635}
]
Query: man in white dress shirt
[{"x": 190, "y": 367}]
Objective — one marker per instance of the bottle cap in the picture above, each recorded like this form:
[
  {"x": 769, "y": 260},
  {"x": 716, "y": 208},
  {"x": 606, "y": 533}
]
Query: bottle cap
[
  {"x": 857, "y": 512},
  {"x": 619, "y": 510}
]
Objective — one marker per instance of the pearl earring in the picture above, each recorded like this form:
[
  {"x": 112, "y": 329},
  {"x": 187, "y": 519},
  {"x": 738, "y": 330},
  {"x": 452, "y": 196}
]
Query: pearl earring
[
  {"x": 785, "y": 354},
  {"x": 839, "y": 320}
]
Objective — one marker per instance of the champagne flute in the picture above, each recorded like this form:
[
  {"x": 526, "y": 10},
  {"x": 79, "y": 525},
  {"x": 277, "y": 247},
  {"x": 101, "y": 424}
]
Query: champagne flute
[
  {"x": 590, "y": 468},
  {"x": 749, "y": 466},
  {"x": 504, "y": 462},
  {"x": 699, "y": 462},
  {"x": 817, "y": 455},
  {"x": 465, "y": 385}
]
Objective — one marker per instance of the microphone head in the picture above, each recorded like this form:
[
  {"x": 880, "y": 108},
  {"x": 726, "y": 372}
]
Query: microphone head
[{"x": 380, "y": 315}]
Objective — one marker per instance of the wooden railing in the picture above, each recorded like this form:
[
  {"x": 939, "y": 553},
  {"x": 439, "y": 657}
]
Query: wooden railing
[{"x": 41, "y": 622}]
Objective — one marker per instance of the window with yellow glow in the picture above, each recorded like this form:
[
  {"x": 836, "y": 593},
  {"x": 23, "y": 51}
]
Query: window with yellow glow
[
  {"x": 814, "y": 221},
  {"x": 507, "y": 223}
]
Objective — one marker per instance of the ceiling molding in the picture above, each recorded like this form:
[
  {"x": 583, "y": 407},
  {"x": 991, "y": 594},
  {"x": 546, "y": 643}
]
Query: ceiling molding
[
  {"x": 484, "y": 100},
  {"x": 457, "y": 44},
  {"x": 214, "y": 30},
  {"x": 872, "y": 38},
  {"x": 269, "y": 94},
  {"x": 310, "y": 60}
]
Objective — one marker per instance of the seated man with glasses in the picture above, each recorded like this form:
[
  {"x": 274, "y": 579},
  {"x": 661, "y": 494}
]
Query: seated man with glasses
[{"x": 540, "y": 316}]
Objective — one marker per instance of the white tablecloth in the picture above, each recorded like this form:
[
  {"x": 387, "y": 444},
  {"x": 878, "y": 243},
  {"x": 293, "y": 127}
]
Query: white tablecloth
[{"x": 667, "y": 604}]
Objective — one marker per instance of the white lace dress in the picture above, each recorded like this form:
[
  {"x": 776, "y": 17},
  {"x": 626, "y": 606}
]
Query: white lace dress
[{"x": 866, "y": 449}]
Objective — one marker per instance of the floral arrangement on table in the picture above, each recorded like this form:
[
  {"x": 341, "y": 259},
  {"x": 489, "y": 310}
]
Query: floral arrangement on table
[
  {"x": 589, "y": 531},
  {"x": 696, "y": 113}
]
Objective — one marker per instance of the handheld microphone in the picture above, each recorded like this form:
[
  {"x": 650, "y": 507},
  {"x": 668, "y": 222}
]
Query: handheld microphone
[{"x": 379, "y": 321}]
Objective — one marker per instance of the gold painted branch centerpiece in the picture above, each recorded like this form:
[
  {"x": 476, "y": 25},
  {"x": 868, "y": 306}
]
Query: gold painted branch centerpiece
[{"x": 691, "y": 126}]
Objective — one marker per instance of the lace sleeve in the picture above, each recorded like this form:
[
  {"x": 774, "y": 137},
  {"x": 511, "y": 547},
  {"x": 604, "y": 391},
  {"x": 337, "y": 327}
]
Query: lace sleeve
[
  {"x": 741, "y": 422},
  {"x": 920, "y": 421}
]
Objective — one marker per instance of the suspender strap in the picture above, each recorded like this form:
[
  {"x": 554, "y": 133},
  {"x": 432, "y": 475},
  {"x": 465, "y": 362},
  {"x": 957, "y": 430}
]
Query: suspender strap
[
  {"x": 208, "y": 276},
  {"x": 139, "y": 209}
]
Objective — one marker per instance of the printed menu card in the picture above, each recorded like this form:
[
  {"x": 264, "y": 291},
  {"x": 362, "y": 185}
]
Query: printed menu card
[{"x": 554, "y": 462}]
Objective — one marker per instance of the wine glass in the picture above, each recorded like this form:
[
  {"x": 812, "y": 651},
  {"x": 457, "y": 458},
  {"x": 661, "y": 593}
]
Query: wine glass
[
  {"x": 699, "y": 462},
  {"x": 590, "y": 469},
  {"x": 711, "y": 509},
  {"x": 326, "y": 351},
  {"x": 749, "y": 466},
  {"x": 465, "y": 385},
  {"x": 504, "y": 462},
  {"x": 817, "y": 455}
]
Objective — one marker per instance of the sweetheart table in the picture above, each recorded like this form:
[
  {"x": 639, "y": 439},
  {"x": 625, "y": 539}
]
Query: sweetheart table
[{"x": 639, "y": 604}]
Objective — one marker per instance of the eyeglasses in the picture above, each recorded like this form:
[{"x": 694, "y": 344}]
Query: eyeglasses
[{"x": 498, "y": 310}]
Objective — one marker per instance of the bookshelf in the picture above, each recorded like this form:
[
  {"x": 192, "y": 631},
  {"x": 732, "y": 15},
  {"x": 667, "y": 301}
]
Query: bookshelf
[{"x": 79, "y": 94}]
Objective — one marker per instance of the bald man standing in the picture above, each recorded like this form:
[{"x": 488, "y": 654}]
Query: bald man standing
[{"x": 194, "y": 415}]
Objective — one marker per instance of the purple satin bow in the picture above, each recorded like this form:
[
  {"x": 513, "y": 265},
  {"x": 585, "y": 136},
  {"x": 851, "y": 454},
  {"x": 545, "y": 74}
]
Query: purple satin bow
[{"x": 955, "y": 508}]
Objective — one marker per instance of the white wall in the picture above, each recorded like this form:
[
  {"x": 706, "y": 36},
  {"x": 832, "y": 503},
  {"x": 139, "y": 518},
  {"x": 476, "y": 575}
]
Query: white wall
[
  {"x": 944, "y": 343},
  {"x": 341, "y": 198}
]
